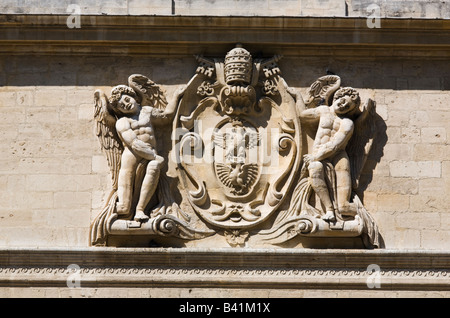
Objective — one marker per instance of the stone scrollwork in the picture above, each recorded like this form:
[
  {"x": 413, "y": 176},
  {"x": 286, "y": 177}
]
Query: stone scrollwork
[
  {"x": 246, "y": 166},
  {"x": 236, "y": 153}
]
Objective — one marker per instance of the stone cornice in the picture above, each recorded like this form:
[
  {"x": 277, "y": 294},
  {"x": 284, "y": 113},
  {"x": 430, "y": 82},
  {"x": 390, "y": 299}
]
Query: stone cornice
[
  {"x": 181, "y": 35},
  {"x": 236, "y": 257},
  {"x": 227, "y": 267}
]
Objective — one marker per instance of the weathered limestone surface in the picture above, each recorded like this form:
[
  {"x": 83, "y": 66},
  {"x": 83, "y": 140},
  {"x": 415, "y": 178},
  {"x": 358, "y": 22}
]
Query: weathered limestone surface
[{"x": 331, "y": 8}]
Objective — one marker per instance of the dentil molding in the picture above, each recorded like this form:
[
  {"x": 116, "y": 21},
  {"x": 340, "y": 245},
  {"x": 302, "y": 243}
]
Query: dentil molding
[{"x": 414, "y": 270}]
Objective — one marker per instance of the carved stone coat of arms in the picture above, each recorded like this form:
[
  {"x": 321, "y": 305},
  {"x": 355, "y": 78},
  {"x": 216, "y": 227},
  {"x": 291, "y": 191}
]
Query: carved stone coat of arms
[{"x": 234, "y": 154}]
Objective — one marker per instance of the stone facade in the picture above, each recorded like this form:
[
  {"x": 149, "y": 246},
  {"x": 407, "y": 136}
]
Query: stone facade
[
  {"x": 54, "y": 179},
  {"x": 319, "y": 8}
]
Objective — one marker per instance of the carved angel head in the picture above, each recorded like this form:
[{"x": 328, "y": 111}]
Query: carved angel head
[
  {"x": 123, "y": 100},
  {"x": 346, "y": 100}
]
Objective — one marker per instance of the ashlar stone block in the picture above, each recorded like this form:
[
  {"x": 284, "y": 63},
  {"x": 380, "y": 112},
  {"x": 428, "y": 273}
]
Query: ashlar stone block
[
  {"x": 415, "y": 169},
  {"x": 433, "y": 135}
]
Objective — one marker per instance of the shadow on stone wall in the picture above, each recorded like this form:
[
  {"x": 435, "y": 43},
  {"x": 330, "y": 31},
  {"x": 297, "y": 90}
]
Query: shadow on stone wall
[
  {"x": 387, "y": 73},
  {"x": 374, "y": 157}
]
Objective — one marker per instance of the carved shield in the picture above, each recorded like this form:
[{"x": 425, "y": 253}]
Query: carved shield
[{"x": 237, "y": 144}]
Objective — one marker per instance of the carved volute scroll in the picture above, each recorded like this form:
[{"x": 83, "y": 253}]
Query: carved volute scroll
[
  {"x": 248, "y": 142},
  {"x": 227, "y": 158}
]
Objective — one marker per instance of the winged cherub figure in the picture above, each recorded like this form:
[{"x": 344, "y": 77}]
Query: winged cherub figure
[
  {"x": 343, "y": 131},
  {"x": 334, "y": 130},
  {"x": 125, "y": 128}
]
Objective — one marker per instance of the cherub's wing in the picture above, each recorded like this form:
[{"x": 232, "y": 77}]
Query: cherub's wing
[
  {"x": 321, "y": 91},
  {"x": 105, "y": 130},
  {"x": 361, "y": 141},
  {"x": 149, "y": 93},
  {"x": 223, "y": 172}
]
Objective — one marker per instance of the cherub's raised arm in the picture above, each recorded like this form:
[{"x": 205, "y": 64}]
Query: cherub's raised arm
[
  {"x": 295, "y": 94},
  {"x": 165, "y": 116},
  {"x": 311, "y": 113},
  {"x": 172, "y": 105},
  {"x": 161, "y": 117}
]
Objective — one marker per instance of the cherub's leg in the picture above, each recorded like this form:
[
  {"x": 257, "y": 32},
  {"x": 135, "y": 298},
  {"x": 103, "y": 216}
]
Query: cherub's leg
[
  {"x": 125, "y": 182},
  {"x": 344, "y": 184},
  {"x": 317, "y": 180},
  {"x": 148, "y": 188}
]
